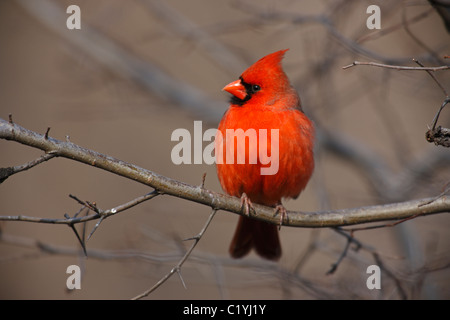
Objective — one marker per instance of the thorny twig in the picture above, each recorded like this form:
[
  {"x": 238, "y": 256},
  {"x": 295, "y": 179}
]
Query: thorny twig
[
  {"x": 177, "y": 268},
  {"x": 437, "y": 135}
]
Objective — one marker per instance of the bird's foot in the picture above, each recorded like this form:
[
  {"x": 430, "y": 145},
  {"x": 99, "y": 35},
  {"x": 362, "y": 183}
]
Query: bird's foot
[
  {"x": 246, "y": 204},
  {"x": 283, "y": 214}
]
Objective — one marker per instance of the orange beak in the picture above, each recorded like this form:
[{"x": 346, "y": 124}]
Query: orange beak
[{"x": 237, "y": 89}]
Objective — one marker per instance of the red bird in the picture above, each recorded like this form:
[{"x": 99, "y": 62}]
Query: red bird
[{"x": 263, "y": 100}]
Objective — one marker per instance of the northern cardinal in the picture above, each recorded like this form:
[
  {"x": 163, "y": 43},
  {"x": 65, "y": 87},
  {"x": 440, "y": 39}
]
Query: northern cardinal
[{"x": 263, "y": 98}]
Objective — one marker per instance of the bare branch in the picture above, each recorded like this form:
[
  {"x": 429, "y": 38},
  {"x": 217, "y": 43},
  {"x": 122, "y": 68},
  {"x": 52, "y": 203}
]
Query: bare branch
[
  {"x": 5, "y": 173},
  {"x": 387, "y": 184},
  {"x": 433, "y": 77},
  {"x": 80, "y": 240},
  {"x": 177, "y": 268},
  {"x": 388, "y": 66},
  {"x": 215, "y": 200},
  {"x": 99, "y": 214},
  {"x": 335, "y": 265}
]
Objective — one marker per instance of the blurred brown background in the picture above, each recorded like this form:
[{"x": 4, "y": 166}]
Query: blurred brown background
[{"x": 124, "y": 102}]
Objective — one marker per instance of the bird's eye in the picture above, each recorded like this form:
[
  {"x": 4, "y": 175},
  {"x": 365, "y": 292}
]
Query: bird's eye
[{"x": 255, "y": 88}]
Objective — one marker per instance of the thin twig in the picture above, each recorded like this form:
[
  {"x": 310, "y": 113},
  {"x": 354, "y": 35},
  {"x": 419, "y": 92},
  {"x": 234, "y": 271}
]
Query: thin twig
[
  {"x": 436, "y": 117},
  {"x": 178, "y": 266},
  {"x": 122, "y": 207},
  {"x": 350, "y": 239},
  {"x": 375, "y": 254},
  {"x": 386, "y": 225},
  {"x": 341, "y": 257},
  {"x": 9, "y": 171},
  {"x": 446, "y": 190},
  {"x": 439, "y": 135},
  {"x": 86, "y": 204},
  {"x": 433, "y": 77},
  {"x": 80, "y": 240},
  {"x": 388, "y": 66}
]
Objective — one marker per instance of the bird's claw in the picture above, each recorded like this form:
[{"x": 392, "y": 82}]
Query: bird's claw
[
  {"x": 283, "y": 214},
  {"x": 246, "y": 204}
]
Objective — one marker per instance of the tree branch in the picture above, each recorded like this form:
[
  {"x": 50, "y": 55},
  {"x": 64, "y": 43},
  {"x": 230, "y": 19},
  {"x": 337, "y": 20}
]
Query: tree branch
[
  {"x": 165, "y": 185},
  {"x": 439, "y": 135},
  {"x": 388, "y": 66},
  {"x": 178, "y": 266},
  {"x": 5, "y": 173}
]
